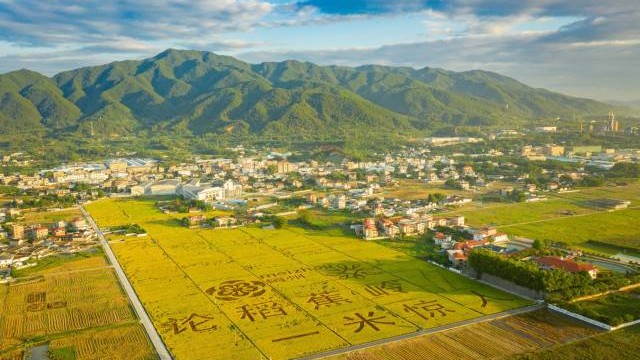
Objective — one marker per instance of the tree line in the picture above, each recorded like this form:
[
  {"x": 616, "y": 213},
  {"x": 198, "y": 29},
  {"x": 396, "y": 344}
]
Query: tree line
[{"x": 558, "y": 285}]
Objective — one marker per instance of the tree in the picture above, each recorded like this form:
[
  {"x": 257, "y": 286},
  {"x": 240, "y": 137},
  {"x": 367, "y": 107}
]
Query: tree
[
  {"x": 304, "y": 217},
  {"x": 271, "y": 169},
  {"x": 624, "y": 170},
  {"x": 436, "y": 198},
  {"x": 518, "y": 196},
  {"x": 592, "y": 181},
  {"x": 279, "y": 222},
  {"x": 452, "y": 184},
  {"x": 539, "y": 244},
  {"x": 566, "y": 180}
]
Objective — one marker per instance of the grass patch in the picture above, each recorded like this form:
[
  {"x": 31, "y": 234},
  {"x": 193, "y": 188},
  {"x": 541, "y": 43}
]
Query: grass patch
[
  {"x": 64, "y": 262},
  {"x": 65, "y": 353},
  {"x": 47, "y": 217}
]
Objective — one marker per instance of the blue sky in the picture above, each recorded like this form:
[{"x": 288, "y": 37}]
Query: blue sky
[{"x": 581, "y": 47}]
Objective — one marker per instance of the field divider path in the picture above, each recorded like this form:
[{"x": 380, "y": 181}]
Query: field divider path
[
  {"x": 416, "y": 334},
  {"x": 154, "y": 337}
]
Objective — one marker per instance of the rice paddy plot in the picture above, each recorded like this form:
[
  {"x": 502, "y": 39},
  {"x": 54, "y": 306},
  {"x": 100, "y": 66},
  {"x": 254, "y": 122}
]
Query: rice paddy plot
[{"x": 248, "y": 293}]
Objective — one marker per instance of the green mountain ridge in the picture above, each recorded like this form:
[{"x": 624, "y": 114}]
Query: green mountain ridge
[{"x": 201, "y": 92}]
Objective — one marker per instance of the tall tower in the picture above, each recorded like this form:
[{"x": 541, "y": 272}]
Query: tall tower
[
  {"x": 581, "y": 125},
  {"x": 612, "y": 123}
]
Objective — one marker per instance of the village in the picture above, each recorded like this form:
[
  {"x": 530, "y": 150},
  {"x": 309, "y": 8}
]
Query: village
[
  {"x": 261, "y": 186},
  {"x": 28, "y": 244}
]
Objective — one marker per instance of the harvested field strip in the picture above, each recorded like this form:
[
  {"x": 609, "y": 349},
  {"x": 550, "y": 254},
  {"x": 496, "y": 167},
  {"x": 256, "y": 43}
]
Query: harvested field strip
[
  {"x": 59, "y": 302},
  {"x": 491, "y": 340},
  {"x": 127, "y": 342}
]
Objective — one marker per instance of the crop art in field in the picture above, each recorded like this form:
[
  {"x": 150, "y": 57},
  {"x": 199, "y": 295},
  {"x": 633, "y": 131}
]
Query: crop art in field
[
  {"x": 262, "y": 311},
  {"x": 368, "y": 321},
  {"x": 426, "y": 309},
  {"x": 194, "y": 322},
  {"x": 327, "y": 299},
  {"x": 283, "y": 293},
  {"x": 237, "y": 289},
  {"x": 353, "y": 271},
  {"x": 64, "y": 303}
]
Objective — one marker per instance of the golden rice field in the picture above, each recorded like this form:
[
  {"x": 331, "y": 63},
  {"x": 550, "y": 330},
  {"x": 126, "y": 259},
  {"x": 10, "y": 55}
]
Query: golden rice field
[
  {"x": 76, "y": 306},
  {"x": 13, "y": 355},
  {"x": 495, "y": 339},
  {"x": 53, "y": 304},
  {"x": 126, "y": 342},
  {"x": 251, "y": 293}
]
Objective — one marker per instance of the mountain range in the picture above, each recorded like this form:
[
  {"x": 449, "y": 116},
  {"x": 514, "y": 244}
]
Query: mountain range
[
  {"x": 202, "y": 92},
  {"x": 633, "y": 104}
]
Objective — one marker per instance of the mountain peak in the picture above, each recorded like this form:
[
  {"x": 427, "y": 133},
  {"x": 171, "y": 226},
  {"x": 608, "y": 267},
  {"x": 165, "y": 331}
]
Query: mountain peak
[
  {"x": 175, "y": 53},
  {"x": 24, "y": 72},
  {"x": 178, "y": 56}
]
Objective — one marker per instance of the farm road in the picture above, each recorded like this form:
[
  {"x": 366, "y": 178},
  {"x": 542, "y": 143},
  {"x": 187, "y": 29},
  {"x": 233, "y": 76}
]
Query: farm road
[{"x": 153, "y": 335}]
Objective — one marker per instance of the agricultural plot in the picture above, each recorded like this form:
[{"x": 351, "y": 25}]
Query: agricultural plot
[
  {"x": 37, "y": 217},
  {"x": 251, "y": 293},
  {"x": 416, "y": 189},
  {"x": 629, "y": 191},
  {"x": 605, "y": 227},
  {"x": 620, "y": 344},
  {"x": 491, "y": 340},
  {"x": 13, "y": 355},
  {"x": 613, "y": 309},
  {"x": 74, "y": 305},
  {"x": 520, "y": 213},
  {"x": 64, "y": 263},
  {"x": 124, "y": 342},
  {"x": 80, "y": 262},
  {"x": 585, "y": 228},
  {"x": 53, "y": 304}
]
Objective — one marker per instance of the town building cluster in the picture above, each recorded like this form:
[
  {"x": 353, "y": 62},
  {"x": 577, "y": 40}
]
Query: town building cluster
[
  {"x": 417, "y": 224},
  {"x": 587, "y": 155},
  {"x": 29, "y": 243}
]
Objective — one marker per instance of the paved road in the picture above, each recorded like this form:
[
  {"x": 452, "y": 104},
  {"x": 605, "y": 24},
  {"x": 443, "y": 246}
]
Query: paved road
[
  {"x": 422, "y": 332},
  {"x": 161, "y": 349}
]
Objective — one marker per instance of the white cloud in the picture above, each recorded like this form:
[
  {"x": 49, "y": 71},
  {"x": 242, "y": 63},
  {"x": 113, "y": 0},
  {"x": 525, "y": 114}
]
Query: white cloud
[{"x": 55, "y": 22}]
